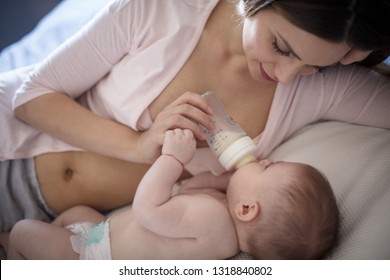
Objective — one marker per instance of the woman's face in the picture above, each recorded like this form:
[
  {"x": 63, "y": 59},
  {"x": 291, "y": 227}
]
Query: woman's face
[{"x": 277, "y": 51}]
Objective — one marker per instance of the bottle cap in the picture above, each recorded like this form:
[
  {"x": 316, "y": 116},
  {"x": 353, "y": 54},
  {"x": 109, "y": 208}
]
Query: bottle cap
[{"x": 243, "y": 149}]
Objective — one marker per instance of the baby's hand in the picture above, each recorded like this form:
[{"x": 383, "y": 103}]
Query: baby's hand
[{"x": 179, "y": 143}]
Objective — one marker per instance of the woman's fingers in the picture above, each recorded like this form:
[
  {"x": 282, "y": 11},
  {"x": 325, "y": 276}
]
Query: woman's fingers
[
  {"x": 174, "y": 121},
  {"x": 193, "y": 99},
  {"x": 187, "y": 112}
]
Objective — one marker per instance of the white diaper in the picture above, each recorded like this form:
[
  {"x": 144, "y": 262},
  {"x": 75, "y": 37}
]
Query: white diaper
[{"x": 91, "y": 241}]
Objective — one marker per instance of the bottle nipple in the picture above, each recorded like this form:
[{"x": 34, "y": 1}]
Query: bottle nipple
[
  {"x": 242, "y": 150},
  {"x": 246, "y": 159}
]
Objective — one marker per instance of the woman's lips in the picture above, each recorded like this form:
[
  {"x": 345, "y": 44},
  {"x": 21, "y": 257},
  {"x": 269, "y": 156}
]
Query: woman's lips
[{"x": 264, "y": 74}]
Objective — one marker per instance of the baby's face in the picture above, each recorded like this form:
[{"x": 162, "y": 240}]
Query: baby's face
[{"x": 255, "y": 178}]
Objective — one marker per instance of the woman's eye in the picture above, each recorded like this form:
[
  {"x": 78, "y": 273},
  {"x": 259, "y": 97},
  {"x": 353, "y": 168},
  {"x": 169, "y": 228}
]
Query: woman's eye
[{"x": 278, "y": 50}]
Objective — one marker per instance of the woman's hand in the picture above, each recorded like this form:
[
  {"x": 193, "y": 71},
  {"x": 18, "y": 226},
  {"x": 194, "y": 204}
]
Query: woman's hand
[{"x": 186, "y": 112}]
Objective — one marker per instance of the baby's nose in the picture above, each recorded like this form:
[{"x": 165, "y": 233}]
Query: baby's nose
[{"x": 265, "y": 162}]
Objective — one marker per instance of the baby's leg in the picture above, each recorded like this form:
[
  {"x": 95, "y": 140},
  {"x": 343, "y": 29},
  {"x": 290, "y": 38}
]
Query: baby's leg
[
  {"x": 79, "y": 214},
  {"x": 37, "y": 240}
]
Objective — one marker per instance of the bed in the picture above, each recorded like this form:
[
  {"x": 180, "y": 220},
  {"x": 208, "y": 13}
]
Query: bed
[{"x": 356, "y": 159}]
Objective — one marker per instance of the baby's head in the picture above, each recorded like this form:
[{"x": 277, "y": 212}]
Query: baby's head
[{"x": 283, "y": 210}]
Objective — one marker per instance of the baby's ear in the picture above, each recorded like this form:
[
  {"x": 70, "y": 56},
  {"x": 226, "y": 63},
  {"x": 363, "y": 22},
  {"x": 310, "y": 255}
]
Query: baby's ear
[{"x": 247, "y": 211}]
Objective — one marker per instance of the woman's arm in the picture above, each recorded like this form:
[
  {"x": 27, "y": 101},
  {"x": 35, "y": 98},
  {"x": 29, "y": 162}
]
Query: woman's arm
[
  {"x": 62, "y": 117},
  {"x": 45, "y": 101}
]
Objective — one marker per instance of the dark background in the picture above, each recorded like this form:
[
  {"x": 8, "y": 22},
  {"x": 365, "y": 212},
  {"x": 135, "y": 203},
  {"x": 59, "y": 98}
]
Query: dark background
[{"x": 18, "y": 17}]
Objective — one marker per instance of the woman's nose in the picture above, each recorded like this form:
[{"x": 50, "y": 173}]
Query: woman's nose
[{"x": 286, "y": 72}]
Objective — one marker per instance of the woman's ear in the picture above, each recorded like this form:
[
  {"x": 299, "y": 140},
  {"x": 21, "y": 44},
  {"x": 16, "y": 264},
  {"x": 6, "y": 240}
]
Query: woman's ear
[
  {"x": 354, "y": 56},
  {"x": 247, "y": 211}
]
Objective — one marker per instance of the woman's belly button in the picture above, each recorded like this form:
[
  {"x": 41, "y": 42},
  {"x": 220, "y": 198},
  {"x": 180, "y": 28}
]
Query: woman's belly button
[{"x": 68, "y": 174}]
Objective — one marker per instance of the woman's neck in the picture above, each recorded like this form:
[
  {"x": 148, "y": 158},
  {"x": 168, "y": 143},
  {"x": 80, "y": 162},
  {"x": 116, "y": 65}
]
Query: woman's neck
[{"x": 226, "y": 25}]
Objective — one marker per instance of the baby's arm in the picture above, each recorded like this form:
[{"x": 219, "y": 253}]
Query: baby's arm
[{"x": 155, "y": 188}]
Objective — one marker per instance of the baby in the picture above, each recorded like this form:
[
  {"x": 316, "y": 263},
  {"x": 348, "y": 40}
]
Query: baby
[{"x": 279, "y": 210}]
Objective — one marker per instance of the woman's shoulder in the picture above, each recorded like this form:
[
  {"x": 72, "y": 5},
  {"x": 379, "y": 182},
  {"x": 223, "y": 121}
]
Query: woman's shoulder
[
  {"x": 338, "y": 78},
  {"x": 117, "y": 5},
  {"x": 141, "y": 14}
]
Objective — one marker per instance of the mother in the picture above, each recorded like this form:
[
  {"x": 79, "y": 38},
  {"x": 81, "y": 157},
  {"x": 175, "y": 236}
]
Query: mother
[{"x": 105, "y": 98}]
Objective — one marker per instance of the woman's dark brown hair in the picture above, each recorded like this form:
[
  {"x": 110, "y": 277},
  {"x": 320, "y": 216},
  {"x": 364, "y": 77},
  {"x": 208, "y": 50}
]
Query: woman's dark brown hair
[{"x": 362, "y": 24}]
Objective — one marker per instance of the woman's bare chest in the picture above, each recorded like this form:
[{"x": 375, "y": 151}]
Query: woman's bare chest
[{"x": 209, "y": 69}]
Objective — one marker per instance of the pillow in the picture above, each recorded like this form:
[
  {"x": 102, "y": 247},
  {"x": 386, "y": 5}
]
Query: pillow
[{"x": 356, "y": 160}]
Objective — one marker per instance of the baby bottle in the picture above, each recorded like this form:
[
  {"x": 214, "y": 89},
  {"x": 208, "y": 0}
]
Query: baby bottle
[{"x": 228, "y": 141}]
